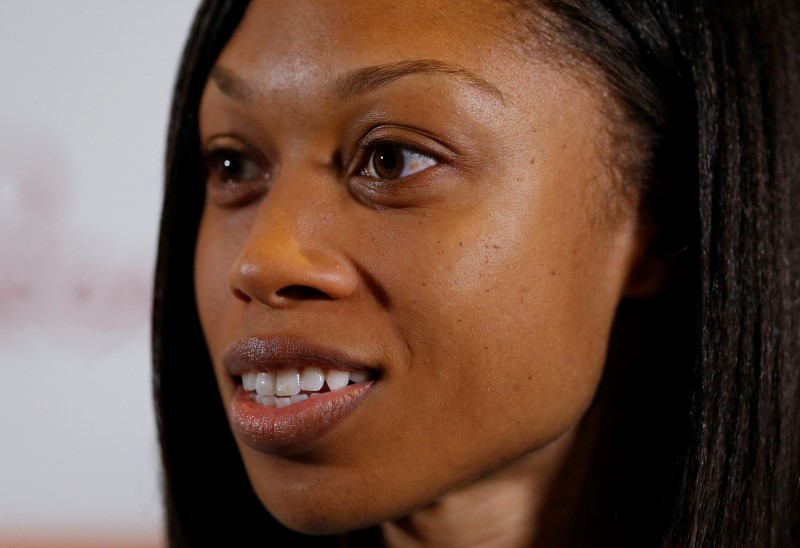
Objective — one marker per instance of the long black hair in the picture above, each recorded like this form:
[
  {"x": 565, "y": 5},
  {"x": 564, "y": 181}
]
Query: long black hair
[{"x": 711, "y": 89}]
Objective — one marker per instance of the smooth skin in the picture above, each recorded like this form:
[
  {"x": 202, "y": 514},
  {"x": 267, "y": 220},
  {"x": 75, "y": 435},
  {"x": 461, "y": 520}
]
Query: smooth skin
[{"x": 483, "y": 277}]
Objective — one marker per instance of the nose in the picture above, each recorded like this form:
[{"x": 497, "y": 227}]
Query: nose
[{"x": 290, "y": 255}]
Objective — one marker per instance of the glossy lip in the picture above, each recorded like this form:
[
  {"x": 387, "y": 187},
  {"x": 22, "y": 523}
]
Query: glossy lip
[
  {"x": 275, "y": 353},
  {"x": 296, "y": 427}
]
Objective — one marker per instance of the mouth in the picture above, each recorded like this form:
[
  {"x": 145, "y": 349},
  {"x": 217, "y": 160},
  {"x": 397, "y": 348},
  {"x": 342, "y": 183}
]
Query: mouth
[
  {"x": 290, "y": 386},
  {"x": 290, "y": 392}
]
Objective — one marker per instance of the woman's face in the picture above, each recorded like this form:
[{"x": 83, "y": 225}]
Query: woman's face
[{"x": 404, "y": 192}]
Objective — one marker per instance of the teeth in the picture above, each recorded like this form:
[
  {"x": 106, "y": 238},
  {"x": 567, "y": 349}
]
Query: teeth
[
  {"x": 249, "y": 380},
  {"x": 265, "y": 384},
  {"x": 283, "y": 387},
  {"x": 359, "y": 376},
  {"x": 287, "y": 382},
  {"x": 312, "y": 379},
  {"x": 266, "y": 400},
  {"x": 337, "y": 379}
]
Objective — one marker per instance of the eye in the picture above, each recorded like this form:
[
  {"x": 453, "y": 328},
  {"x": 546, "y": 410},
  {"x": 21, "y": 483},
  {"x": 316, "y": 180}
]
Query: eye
[
  {"x": 395, "y": 161},
  {"x": 230, "y": 166},
  {"x": 235, "y": 177}
]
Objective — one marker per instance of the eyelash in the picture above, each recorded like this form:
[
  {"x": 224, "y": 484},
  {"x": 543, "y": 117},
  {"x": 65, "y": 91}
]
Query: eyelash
[
  {"x": 235, "y": 176},
  {"x": 413, "y": 161},
  {"x": 222, "y": 159}
]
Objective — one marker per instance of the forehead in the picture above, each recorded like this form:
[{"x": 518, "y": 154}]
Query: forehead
[{"x": 281, "y": 45}]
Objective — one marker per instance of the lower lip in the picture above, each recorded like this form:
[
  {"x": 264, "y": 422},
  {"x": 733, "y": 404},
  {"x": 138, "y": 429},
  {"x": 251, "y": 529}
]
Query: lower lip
[{"x": 296, "y": 427}]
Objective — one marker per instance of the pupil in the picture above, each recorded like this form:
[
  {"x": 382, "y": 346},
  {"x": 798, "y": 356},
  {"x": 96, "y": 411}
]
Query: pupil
[
  {"x": 230, "y": 167},
  {"x": 389, "y": 162}
]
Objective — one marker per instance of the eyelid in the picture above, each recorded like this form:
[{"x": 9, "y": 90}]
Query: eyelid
[
  {"x": 225, "y": 143},
  {"x": 416, "y": 141},
  {"x": 234, "y": 191},
  {"x": 229, "y": 147},
  {"x": 413, "y": 162}
]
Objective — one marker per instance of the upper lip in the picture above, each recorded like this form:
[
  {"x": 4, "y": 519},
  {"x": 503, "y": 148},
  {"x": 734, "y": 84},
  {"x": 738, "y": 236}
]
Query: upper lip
[{"x": 275, "y": 353}]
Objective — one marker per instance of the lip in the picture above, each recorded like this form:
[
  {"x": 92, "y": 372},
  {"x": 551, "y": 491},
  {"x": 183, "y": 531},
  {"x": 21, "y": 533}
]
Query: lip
[
  {"x": 296, "y": 427},
  {"x": 275, "y": 353}
]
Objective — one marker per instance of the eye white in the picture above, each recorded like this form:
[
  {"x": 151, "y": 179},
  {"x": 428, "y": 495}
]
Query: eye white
[{"x": 412, "y": 162}]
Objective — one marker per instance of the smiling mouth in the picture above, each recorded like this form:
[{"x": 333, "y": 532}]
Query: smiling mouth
[
  {"x": 286, "y": 387},
  {"x": 291, "y": 392}
]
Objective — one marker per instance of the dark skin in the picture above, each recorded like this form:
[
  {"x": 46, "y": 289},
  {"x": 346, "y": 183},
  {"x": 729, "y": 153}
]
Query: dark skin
[{"x": 483, "y": 275}]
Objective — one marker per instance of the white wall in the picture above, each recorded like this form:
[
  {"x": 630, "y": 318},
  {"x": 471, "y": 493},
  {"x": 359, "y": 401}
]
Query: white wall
[{"x": 84, "y": 93}]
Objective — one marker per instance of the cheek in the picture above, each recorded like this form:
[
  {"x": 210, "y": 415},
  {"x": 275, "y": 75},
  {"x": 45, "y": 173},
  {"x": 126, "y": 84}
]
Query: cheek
[
  {"x": 511, "y": 300},
  {"x": 213, "y": 258},
  {"x": 508, "y": 330}
]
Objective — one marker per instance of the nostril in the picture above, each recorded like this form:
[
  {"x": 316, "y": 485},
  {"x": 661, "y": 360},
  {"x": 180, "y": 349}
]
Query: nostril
[
  {"x": 302, "y": 293},
  {"x": 282, "y": 276},
  {"x": 239, "y": 294}
]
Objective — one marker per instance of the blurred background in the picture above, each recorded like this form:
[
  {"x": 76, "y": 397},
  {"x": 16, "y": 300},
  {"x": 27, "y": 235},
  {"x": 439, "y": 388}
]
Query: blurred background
[{"x": 84, "y": 99}]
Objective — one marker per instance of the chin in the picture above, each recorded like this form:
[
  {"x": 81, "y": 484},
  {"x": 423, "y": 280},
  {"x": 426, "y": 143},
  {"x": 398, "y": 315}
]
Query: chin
[
  {"x": 313, "y": 515},
  {"x": 332, "y": 500}
]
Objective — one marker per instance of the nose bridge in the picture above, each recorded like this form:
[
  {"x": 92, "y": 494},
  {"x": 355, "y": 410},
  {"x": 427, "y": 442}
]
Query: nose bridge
[{"x": 288, "y": 254}]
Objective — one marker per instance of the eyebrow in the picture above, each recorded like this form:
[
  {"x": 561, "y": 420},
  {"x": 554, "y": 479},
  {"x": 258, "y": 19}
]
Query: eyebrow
[
  {"x": 231, "y": 85},
  {"x": 368, "y": 79},
  {"x": 363, "y": 80}
]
